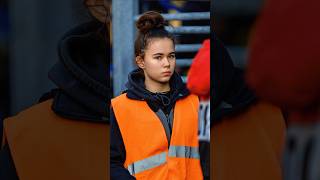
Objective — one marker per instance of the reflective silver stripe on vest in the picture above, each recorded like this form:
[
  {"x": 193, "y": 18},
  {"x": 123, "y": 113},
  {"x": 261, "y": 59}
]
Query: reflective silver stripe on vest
[
  {"x": 147, "y": 163},
  {"x": 184, "y": 152},
  {"x": 159, "y": 159}
]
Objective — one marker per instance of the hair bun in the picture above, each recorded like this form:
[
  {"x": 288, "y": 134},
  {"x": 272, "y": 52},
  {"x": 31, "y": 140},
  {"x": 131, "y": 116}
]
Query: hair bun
[{"x": 150, "y": 20}]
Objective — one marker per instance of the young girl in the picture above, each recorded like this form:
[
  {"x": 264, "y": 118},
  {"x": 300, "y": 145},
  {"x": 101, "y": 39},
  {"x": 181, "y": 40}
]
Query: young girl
[{"x": 154, "y": 124}]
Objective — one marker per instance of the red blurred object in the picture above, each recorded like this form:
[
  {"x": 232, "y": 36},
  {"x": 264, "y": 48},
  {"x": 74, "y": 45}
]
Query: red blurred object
[
  {"x": 284, "y": 59},
  {"x": 199, "y": 73}
]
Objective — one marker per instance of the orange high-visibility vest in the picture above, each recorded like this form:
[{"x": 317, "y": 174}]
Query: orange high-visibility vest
[
  {"x": 45, "y": 146},
  {"x": 148, "y": 155},
  {"x": 249, "y": 145}
]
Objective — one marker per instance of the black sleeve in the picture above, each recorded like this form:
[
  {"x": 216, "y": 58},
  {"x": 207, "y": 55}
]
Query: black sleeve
[
  {"x": 7, "y": 168},
  {"x": 117, "y": 152},
  {"x": 204, "y": 150}
]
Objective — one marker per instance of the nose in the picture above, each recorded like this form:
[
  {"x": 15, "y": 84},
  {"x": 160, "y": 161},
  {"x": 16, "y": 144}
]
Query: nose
[{"x": 166, "y": 62}]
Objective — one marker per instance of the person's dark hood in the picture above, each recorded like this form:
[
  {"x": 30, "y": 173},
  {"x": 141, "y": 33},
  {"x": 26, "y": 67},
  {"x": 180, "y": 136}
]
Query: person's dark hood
[
  {"x": 230, "y": 94},
  {"x": 82, "y": 74},
  {"x": 136, "y": 89}
]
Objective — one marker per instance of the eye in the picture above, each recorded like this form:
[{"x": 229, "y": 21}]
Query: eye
[
  {"x": 158, "y": 58},
  {"x": 172, "y": 56}
]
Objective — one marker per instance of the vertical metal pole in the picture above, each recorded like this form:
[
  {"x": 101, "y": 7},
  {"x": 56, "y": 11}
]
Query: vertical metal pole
[{"x": 123, "y": 32}]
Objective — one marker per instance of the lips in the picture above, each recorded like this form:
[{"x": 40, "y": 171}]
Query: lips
[{"x": 167, "y": 73}]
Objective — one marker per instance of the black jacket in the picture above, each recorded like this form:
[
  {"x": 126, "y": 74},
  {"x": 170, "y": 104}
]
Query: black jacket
[
  {"x": 136, "y": 90},
  {"x": 230, "y": 94},
  {"x": 82, "y": 79}
]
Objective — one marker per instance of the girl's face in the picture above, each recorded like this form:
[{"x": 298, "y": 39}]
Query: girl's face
[{"x": 159, "y": 60}]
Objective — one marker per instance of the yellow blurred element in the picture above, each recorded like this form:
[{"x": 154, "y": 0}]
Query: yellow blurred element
[
  {"x": 174, "y": 23},
  {"x": 179, "y": 3}
]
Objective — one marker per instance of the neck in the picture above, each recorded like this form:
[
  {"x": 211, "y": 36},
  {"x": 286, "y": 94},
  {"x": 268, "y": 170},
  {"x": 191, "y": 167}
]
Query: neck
[{"x": 156, "y": 87}]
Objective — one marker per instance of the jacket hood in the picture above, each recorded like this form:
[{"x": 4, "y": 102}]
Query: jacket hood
[
  {"x": 136, "y": 89},
  {"x": 230, "y": 94},
  {"x": 82, "y": 74},
  {"x": 199, "y": 72}
]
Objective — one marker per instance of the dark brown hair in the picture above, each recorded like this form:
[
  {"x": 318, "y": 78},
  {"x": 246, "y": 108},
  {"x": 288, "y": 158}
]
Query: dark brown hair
[{"x": 150, "y": 25}]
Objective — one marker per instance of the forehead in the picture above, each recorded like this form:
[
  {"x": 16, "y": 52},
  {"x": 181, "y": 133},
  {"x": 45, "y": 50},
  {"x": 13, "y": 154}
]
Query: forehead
[{"x": 160, "y": 45}]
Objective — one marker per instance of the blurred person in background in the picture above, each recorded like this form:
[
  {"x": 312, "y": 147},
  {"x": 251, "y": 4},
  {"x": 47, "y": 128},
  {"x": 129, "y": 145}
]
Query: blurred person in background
[
  {"x": 65, "y": 136},
  {"x": 284, "y": 69},
  {"x": 154, "y": 123},
  {"x": 199, "y": 83},
  {"x": 247, "y": 134}
]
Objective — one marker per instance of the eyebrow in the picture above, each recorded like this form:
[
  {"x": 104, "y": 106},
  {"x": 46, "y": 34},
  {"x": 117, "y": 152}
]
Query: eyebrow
[{"x": 162, "y": 53}]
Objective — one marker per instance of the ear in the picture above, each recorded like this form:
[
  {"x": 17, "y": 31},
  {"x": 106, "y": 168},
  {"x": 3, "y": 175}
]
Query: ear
[{"x": 140, "y": 62}]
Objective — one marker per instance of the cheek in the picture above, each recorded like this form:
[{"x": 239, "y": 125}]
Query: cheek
[
  {"x": 149, "y": 64},
  {"x": 173, "y": 64},
  {"x": 149, "y": 67}
]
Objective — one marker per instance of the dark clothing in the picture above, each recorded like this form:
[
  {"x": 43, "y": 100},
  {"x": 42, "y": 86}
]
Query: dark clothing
[
  {"x": 136, "y": 90},
  {"x": 204, "y": 150},
  {"x": 82, "y": 79},
  {"x": 82, "y": 75},
  {"x": 230, "y": 93},
  {"x": 7, "y": 168}
]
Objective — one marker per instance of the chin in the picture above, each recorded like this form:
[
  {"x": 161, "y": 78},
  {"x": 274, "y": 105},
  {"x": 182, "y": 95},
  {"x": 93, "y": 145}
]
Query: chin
[{"x": 164, "y": 80}]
